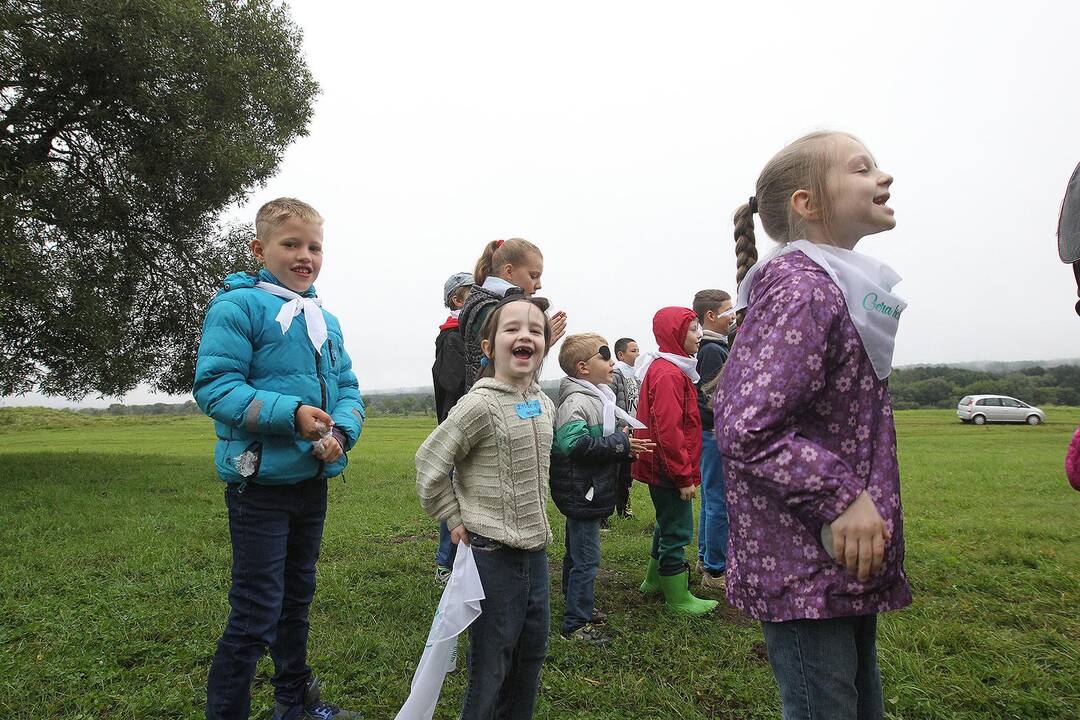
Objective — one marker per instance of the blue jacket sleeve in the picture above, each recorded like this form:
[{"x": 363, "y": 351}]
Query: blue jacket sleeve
[
  {"x": 349, "y": 411},
  {"x": 221, "y": 371}
]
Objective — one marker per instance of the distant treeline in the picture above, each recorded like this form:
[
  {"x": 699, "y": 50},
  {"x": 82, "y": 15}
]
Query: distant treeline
[
  {"x": 931, "y": 386},
  {"x": 937, "y": 386}
]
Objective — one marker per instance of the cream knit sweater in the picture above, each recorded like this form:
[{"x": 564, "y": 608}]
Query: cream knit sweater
[{"x": 501, "y": 466}]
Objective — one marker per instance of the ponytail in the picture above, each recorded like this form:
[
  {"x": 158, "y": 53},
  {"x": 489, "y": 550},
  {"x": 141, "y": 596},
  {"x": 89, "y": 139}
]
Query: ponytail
[
  {"x": 500, "y": 252},
  {"x": 484, "y": 264}
]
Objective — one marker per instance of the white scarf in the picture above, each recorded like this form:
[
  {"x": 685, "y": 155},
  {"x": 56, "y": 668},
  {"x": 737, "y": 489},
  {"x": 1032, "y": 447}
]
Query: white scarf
[
  {"x": 455, "y": 314},
  {"x": 687, "y": 364},
  {"x": 624, "y": 368},
  {"x": 611, "y": 410},
  {"x": 867, "y": 287},
  {"x": 497, "y": 285},
  {"x": 310, "y": 306}
]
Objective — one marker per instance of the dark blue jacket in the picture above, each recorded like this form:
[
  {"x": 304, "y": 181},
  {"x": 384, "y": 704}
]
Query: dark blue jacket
[{"x": 711, "y": 356}]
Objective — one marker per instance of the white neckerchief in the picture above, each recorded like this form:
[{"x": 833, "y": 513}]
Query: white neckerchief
[
  {"x": 687, "y": 364},
  {"x": 310, "y": 306},
  {"x": 625, "y": 368},
  {"x": 611, "y": 410},
  {"x": 455, "y": 313},
  {"x": 497, "y": 285},
  {"x": 867, "y": 287}
]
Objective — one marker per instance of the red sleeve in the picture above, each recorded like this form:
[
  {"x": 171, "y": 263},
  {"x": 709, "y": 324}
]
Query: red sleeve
[
  {"x": 1072, "y": 461},
  {"x": 666, "y": 413}
]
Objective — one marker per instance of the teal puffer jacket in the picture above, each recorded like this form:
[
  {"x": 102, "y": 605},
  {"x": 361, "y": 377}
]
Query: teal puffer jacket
[{"x": 250, "y": 378}]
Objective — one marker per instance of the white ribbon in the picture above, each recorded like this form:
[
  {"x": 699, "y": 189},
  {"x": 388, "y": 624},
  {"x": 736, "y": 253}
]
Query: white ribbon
[
  {"x": 867, "y": 286},
  {"x": 311, "y": 307},
  {"x": 458, "y": 608},
  {"x": 687, "y": 364},
  {"x": 611, "y": 410}
]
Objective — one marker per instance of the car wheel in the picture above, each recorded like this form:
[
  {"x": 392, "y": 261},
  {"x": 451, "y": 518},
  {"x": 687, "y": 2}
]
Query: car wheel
[
  {"x": 979, "y": 419},
  {"x": 1033, "y": 420}
]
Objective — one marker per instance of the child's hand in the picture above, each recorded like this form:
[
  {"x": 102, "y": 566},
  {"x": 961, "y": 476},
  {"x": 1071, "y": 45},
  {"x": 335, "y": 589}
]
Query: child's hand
[
  {"x": 308, "y": 420},
  {"x": 859, "y": 538},
  {"x": 459, "y": 535},
  {"x": 687, "y": 493},
  {"x": 327, "y": 450},
  {"x": 640, "y": 446},
  {"x": 558, "y": 327}
]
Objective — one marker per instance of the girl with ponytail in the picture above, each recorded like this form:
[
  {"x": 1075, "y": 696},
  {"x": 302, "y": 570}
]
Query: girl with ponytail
[
  {"x": 506, "y": 267},
  {"x": 805, "y": 426}
]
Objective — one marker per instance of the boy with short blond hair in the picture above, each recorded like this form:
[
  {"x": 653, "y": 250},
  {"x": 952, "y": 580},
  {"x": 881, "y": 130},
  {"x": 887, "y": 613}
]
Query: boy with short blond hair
[
  {"x": 273, "y": 373},
  {"x": 591, "y": 443}
]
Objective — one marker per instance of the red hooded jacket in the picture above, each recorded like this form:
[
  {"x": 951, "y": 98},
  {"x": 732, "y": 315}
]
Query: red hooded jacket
[{"x": 668, "y": 407}]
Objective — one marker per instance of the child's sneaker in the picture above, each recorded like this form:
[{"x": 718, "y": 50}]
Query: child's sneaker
[
  {"x": 712, "y": 582},
  {"x": 442, "y": 574},
  {"x": 699, "y": 568},
  {"x": 590, "y": 634},
  {"x": 313, "y": 708},
  {"x": 599, "y": 617},
  {"x": 605, "y": 526}
]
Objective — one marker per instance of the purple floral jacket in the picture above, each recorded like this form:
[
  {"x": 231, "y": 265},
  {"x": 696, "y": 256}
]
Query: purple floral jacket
[{"x": 804, "y": 424}]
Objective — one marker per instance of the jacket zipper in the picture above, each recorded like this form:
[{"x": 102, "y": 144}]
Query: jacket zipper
[
  {"x": 330, "y": 344},
  {"x": 322, "y": 404}
]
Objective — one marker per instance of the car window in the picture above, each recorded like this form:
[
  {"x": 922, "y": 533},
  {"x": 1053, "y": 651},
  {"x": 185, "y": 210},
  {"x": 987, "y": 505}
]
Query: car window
[
  {"x": 965, "y": 400},
  {"x": 1009, "y": 402},
  {"x": 992, "y": 402}
]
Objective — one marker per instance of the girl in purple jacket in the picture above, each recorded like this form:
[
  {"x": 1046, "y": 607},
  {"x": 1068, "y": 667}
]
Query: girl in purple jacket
[{"x": 805, "y": 425}]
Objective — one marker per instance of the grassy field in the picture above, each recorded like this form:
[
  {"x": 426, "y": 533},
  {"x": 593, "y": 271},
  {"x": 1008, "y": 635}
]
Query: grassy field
[{"x": 114, "y": 558}]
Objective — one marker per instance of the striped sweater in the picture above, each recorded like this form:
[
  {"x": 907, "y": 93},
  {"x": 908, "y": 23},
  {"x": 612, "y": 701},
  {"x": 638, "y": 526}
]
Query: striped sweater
[{"x": 501, "y": 463}]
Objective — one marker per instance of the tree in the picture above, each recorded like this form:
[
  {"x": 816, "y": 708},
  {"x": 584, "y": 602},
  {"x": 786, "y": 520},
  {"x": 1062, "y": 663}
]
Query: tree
[{"x": 126, "y": 128}]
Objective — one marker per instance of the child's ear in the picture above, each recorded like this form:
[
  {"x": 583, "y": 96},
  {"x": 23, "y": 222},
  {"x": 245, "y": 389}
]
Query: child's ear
[
  {"x": 507, "y": 270},
  {"x": 582, "y": 368},
  {"x": 485, "y": 347},
  {"x": 803, "y": 202},
  {"x": 257, "y": 249}
]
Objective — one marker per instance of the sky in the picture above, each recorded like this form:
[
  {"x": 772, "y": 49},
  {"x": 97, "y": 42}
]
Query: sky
[{"x": 620, "y": 137}]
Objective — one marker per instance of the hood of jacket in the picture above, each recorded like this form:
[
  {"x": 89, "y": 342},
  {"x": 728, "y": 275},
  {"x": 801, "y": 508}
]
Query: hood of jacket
[
  {"x": 246, "y": 279},
  {"x": 568, "y": 387},
  {"x": 670, "y": 326}
]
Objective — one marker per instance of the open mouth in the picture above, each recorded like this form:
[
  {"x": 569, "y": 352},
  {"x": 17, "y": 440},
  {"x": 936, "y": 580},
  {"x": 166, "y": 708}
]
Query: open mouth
[
  {"x": 302, "y": 270},
  {"x": 522, "y": 352},
  {"x": 881, "y": 199}
]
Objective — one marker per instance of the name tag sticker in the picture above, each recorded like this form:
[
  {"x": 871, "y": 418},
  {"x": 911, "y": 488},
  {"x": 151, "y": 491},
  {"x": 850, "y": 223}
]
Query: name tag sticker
[{"x": 528, "y": 409}]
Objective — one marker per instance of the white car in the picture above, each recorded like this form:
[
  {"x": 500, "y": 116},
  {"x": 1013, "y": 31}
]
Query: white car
[{"x": 981, "y": 409}]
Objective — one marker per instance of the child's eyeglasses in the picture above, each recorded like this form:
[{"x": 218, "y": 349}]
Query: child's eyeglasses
[{"x": 604, "y": 352}]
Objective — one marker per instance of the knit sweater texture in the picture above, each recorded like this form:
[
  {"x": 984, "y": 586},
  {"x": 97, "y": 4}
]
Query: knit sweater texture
[{"x": 501, "y": 463}]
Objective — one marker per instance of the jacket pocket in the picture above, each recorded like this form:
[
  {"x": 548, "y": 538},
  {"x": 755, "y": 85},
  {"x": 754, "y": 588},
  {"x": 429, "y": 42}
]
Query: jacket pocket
[{"x": 247, "y": 463}]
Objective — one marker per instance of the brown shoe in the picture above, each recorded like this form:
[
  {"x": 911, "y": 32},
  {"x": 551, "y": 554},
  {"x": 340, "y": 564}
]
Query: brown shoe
[{"x": 712, "y": 582}]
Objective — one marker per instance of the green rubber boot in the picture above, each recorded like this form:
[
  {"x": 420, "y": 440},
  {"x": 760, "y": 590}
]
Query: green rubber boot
[
  {"x": 678, "y": 596},
  {"x": 651, "y": 586}
]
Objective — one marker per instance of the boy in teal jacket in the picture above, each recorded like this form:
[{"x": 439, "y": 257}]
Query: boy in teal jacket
[{"x": 273, "y": 373}]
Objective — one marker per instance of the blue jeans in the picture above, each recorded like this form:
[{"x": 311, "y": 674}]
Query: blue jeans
[
  {"x": 444, "y": 556},
  {"x": 713, "y": 521},
  {"x": 276, "y": 531},
  {"x": 580, "y": 565},
  {"x": 826, "y": 668},
  {"x": 508, "y": 642}
]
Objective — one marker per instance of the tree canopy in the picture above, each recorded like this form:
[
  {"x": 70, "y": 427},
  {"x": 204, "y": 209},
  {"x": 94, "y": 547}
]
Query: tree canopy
[{"x": 126, "y": 128}]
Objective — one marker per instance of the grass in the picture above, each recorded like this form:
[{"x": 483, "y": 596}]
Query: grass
[{"x": 114, "y": 558}]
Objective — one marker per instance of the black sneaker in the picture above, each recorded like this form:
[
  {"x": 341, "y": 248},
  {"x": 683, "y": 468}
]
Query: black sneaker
[
  {"x": 605, "y": 526},
  {"x": 313, "y": 708},
  {"x": 590, "y": 634}
]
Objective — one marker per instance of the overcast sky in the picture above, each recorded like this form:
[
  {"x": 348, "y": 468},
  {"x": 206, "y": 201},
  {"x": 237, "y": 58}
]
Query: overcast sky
[{"x": 620, "y": 137}]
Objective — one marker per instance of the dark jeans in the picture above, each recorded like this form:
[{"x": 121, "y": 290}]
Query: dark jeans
[
  {"x": 580, "y": 565},
  {"x": 276, "y": 531},
  {"x": 826, "y": 668},
  {"x": 622, "y": 490},
  {"x": 674, "y": 529},
  {"x": 508, "y": 642},
  {"x": 713, "y": 522},
  {"x": 444, "y": 556}
]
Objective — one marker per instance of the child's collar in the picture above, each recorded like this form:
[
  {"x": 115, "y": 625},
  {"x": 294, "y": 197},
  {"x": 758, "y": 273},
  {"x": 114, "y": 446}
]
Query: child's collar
[{"x": 267, "y": 276}]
